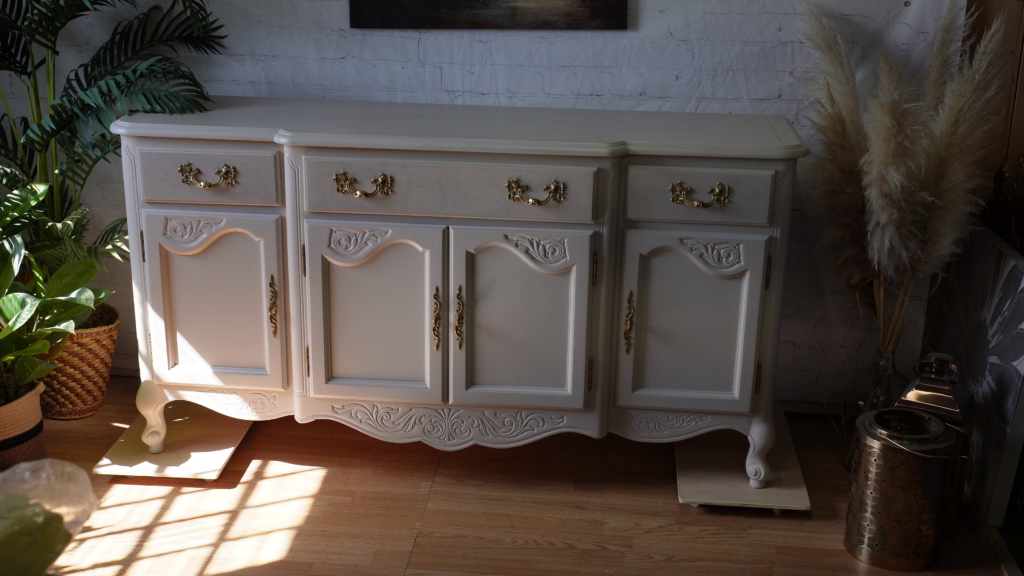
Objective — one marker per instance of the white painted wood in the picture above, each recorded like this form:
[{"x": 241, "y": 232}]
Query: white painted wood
[
  {"x": 209, "y": 281},
  {"x": 371, "y": 299},
  {"x": 450, "y": 189},
  {"x": 536, "y": 309},
  {"x": 493, "y": 129},
  {"x": 648, "y": 196},
  {"x": 526, "y": 303},
  {"x": 696, "y": 301},
  {"x": 258, "y": 172}
]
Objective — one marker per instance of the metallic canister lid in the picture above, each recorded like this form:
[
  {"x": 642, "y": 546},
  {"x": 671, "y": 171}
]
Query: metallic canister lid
[{"x": 912, "y": 429}]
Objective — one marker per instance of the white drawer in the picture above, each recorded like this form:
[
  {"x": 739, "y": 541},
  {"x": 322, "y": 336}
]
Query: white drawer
[
  {"x": 650, "y": 195},
  {"x": 256, "y": 178},
  {"x": 449, "y": 189}
]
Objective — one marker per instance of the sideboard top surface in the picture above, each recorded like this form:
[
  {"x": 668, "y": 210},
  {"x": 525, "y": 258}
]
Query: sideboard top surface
[{"x": 493, "y": 129}]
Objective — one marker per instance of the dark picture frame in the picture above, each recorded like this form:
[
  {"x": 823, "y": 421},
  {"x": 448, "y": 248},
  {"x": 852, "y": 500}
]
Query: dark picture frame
[{"x": 488, "y": 14}]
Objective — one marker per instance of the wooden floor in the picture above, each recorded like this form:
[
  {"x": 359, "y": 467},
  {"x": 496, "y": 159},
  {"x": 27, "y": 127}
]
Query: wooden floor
[{"x": 320, "y": 498}]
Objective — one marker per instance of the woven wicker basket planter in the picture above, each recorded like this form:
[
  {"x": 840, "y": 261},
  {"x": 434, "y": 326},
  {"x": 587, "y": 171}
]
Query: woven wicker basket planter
[
  {"x": 21, "y": 430},
  {"x": 78, "y": 386}
]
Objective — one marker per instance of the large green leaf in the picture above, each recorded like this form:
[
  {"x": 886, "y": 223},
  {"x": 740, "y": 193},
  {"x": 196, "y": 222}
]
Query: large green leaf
[
  {"x": 34, "y": 349},
  {"x": 46, "y": 18},
  {"x": 12, "y": 251},
  {"x": 70, "y": 277},
  {"x": 19, "y": 202},
  {"x": 17, "y": 309},
  {"x": 29, "y": 368}
]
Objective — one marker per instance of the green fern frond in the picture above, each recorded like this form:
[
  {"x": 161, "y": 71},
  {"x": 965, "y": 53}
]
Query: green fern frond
[
  {"x": 10, "y": 128},
  {"x": 157, "y": 85},
  {"x": 46, "y": 19},
  {"x": 135, "y": 39},
  {"x": 12, "y": 178},
  {"x": 14, "y": 52}
]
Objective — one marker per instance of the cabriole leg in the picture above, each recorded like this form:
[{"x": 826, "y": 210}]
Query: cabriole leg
[
  {"x": 150, "y": 401},
  {"x": 762, "y": 437}
]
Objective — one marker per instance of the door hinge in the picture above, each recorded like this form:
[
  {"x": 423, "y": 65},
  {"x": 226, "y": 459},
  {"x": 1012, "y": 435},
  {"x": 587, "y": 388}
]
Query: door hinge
[
  {"x": 768, "y": 274},
  {"x": 590, "y": 373},
  {"x": 142, "y": 244},
  {"x": 149, "y": 338},
  {"x": 593, "y": 271},
  {"x": 307, "y": 361},
  {"x": 757, "y": 380},
  {"x": 303, "y": 260}
]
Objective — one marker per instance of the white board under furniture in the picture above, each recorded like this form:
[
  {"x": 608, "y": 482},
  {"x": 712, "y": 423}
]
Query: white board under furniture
[{"x": 461, "y": 275}]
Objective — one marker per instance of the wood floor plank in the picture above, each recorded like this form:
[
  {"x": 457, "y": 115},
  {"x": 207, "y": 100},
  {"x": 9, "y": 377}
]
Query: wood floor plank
[{"x": 323, "y": 499}]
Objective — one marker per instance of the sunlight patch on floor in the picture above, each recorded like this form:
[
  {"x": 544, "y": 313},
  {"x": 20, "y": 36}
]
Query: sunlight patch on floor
[{"x": 196, "y": 531}]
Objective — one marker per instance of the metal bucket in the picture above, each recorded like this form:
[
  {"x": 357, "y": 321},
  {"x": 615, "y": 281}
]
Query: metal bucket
[{"x": 896, "y": 494}]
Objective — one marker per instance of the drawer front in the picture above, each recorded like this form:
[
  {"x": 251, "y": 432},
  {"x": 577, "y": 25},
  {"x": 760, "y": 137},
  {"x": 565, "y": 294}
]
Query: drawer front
[
  {"x": 650, "y": 196},
  {"x": 442, "y": 189},
  {"x": 255, "y": 180}
]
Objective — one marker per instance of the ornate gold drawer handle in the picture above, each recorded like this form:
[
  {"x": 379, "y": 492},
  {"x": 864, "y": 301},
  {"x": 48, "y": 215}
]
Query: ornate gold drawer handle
[
  {"x": 381, "y": 185},
  {"x": 517, "y": 192},
  {"x": 460, "y": 317},
  {"x": 719, "y": 195},
  {"x": 627, "y": 334},
  {"x": 436, "y": 328},
  {"x": 272, "y": 307},
  {"x": 225, "y": 175}
]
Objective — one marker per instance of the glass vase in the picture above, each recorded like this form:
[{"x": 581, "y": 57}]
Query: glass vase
[{"x": 877, "y": 386}]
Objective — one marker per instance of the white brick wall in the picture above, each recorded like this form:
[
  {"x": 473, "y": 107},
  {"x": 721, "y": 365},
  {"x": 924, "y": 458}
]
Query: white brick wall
[{"x": 735, "y": 56}]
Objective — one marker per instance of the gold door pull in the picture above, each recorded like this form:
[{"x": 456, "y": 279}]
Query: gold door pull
[
  {"x": 190, "y": 176},
  {"x": 272, "y": 307},
  {"x": 381, "y": 185},
  {"x": 436, "y": 325},
  {"x": 719, "y": 195},
  {"x": 627, "y": 334},
  {"x": 460, "y": 317},
  {"x": 517, "y": 192}
]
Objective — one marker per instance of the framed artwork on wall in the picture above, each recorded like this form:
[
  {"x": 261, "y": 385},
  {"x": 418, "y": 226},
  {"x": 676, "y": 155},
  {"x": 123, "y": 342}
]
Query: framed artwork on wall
[
  {"x": 489, "y": 14},
  {"x": 982, "y": 327}
]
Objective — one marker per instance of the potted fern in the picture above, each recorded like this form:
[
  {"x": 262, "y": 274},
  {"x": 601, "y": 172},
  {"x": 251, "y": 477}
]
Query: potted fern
[
  {"x": 899, "y": 182},
  {"x": 66, "y": 134}
]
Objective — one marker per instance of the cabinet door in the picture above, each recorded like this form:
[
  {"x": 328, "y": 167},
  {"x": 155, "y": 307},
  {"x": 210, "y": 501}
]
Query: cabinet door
[
  {"x": 216, "y": 314},
  {"x": 519, "y": 311},
  {"x": 688, "y": 329},
  {"x": 376, "y": 313}
]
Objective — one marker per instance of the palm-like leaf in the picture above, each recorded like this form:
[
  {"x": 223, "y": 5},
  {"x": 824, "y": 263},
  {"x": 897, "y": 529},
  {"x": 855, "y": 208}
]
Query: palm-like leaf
[
  {"x": 46, "y": 18},
  {"x": 10, "y": 129},
  {"x": 134, "y": 40},
  {"x": 12, "y": 178},
  {"x": 14, "y": 52},
  {"x": 157, "y": 85}
]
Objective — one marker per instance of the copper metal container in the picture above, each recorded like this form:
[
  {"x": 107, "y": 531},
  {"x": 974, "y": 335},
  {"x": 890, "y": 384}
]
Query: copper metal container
[{"x": 896, "y": 495}]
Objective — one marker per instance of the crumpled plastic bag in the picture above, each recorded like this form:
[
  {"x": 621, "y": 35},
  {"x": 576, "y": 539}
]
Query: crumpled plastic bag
[
  {"x": 61, "y": 487},
  {"x": 43, "y": 504}
]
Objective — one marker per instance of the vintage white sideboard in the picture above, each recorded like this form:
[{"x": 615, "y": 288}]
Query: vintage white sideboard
[{"x": 461, "y": 275}]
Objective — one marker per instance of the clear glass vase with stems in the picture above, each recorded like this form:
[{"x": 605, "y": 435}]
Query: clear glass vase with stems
[{"x": 877, "y": 386}]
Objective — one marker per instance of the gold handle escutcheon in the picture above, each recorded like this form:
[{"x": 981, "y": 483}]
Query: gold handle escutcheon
[
  {"x": 381, "y": 185},
  {"x": 272, "y": 307},
  {"x": 190, "y": 176},
  {"x": 460, "y": 317},
  {"x": 517, "y": 192},
  {"x": 719, "y": 195},
  {"x": 627, "y": 334},
  {"x": 436, "y": 327}
]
